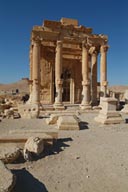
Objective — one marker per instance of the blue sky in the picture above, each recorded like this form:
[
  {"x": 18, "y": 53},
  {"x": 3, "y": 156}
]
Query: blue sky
[{"x": 17, "y": 17}]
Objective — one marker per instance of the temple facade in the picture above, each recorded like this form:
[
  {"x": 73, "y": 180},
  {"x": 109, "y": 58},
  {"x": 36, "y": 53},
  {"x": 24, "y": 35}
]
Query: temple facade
[{"x": 63, "y": 64}]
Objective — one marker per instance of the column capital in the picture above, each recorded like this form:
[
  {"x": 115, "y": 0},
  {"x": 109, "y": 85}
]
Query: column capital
[
  {"x": 93, "y": 50},
  {"x": 36, "y": 40},
  {"x": 104, "y": 48},
  {"x": 59, "y": 43},
  {"x": 85, "y": 45}
]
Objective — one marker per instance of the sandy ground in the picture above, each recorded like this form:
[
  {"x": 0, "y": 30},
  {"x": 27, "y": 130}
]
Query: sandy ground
[{"x": 94, "y": 159}]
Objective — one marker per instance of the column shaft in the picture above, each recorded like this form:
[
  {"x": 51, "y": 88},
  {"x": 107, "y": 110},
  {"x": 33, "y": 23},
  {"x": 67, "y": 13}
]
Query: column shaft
[
  {"x": 103, "y": 70},
  {"x": 58, "y": 72},
  {"x": 36, "y": 75},
  {"x": 85, "y": 75},
  {"x": 94, "y": 77}
]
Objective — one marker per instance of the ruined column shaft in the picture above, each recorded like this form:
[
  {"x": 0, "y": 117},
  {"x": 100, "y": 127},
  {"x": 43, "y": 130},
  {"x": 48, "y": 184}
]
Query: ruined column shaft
[
  {"x": 35, "y": 73},
  {"x": 94, "y": 77},
  {"x": 103, "y": 70},
  {"x": 85, "y": 75},
  {"x": 58, "y": 71}
]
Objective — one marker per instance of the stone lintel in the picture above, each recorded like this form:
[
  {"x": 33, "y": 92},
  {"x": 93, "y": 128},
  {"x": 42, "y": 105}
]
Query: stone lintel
[
  {"x": 48, "y": 23},
  {"x": 67, "y": 21}
]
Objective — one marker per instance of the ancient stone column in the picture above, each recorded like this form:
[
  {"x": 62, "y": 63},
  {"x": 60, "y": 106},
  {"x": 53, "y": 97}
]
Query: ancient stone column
[
  {"x": 103, "y": 70},
  {"x": 85, "y": 104},
  {"x": 58, "y": 71},
  {"x": 94, "y": 75},
  {"x": 35, "y": 73}
]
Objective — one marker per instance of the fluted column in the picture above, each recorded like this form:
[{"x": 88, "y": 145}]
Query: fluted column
[
  {"x": 103, "y": 70},
  {"x": 35, "y": 73},
  {"x": 58, "y": 72},
  {"x": 85, "y": 104},
  {"x": 94, "y": 75}
]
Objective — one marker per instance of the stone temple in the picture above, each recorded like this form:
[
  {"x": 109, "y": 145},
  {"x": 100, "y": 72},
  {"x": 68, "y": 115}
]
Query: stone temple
[{"x": 63, "y": 64}]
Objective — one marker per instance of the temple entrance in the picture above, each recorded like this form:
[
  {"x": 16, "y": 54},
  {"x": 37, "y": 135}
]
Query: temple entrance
[{"x": 66, "y": 91}]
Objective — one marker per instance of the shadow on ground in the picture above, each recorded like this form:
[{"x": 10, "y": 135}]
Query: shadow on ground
[
  {"x": 58, "y": 146},
  {"x": 25, "y": 182},
  {"x": 126, "y": 120},
  {"x": 83, "y": 125}
]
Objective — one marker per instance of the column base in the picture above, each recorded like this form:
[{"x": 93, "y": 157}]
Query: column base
[
  {"x": 85, "y": 107},
  {"x": 59, "y": 106}
]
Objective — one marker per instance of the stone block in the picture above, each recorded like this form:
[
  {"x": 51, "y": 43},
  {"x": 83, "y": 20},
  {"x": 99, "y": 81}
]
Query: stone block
[
  {"x": 68, "y": 122},
  {"x": 53, "y": 119},
  {"x": 29, "y": 111},
  {"x": 9, "y": 153},
  {"x": 108, "y": 113},
  {"x": 67, "y": 21},
  {"x": 33, "y": 145}
]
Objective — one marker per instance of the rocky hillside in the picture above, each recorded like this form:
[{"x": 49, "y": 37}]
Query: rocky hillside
[{"x": 21, "y": 86}]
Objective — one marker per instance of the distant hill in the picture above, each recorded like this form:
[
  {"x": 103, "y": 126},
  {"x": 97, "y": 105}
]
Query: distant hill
[
  {"x": 118, "y": 88},
  {"x": 22, "y": 86}
]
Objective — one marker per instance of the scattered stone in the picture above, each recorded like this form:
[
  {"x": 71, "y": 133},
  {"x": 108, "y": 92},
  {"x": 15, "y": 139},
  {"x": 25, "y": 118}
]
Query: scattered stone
[
  {"x": 9, "y": 153},
  {"x": 7, "y": 179},
  {"x": 53, "y": 119},
  {"x": 34, "y": 145}
]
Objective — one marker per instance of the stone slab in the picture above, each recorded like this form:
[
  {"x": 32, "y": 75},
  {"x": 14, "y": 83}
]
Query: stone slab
[
  {"x": 68, "y": 123},
  {"x": 22, "y": 137}
]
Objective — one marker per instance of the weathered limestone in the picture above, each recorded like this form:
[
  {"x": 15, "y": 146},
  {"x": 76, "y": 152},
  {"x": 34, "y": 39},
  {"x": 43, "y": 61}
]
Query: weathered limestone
[
  {"x": 60, "y": 68},
  {"x": 53, "y": 119},
  {"x": 29, "y": 111},
  {"x": 34, "y": 145},
  {"x": 58, "y": 81},
  {"x": 103, "y": 70},
  {"x": 9, "y": 153},
  {"x": 94, "y": 75},
  {"x": 85, "y": 104},
  {"x": 108, "y": 113},
  {"x": 68, "y": 122},
  {"x": 7, "y": 179},
  {"x": 31, "y": 108},
  {"x": 35, "y": 95}
]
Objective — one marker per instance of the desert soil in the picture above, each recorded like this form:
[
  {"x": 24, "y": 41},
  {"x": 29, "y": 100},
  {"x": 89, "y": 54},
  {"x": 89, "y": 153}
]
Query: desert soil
[{"x": 94, "y": 159}]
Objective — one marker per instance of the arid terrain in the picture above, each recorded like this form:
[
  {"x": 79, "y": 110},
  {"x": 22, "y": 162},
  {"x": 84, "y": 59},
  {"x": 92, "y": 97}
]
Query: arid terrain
[{"x": 93, "y": 159}]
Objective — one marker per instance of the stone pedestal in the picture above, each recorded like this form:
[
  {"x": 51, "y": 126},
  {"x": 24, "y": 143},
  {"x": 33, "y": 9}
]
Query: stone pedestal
[
  {"x": 108, "y": 113},
  {"x": 29, "y": 111}
]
